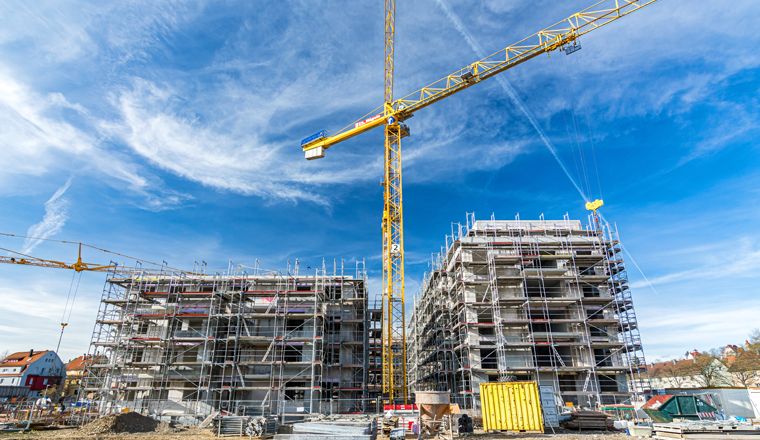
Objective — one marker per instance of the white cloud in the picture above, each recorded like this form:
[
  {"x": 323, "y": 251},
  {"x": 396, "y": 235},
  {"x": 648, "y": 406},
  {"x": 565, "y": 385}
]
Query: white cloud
[
  {"x": 36, "y": 138},
  {"x": 152, "y": 127},
  {"x": 57, "y": 30},
  {"x": 20, "y": 307},
  {"x": 32, "y": 128},
  {"x": 668, "y": 332},
  {"x": 236, "y": 133},
  {"x": 53, "y": 221},
  {"x": 233, "y": 121},
  {"x": 741, "y": 259}
]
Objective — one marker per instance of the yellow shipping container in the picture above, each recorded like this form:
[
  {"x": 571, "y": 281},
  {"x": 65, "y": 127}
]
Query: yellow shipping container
[{"x": 511, "y": 406}]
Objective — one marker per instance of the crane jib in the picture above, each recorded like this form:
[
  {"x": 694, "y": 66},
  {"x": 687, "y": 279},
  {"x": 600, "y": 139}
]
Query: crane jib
[{"x": 368, "y": 120}]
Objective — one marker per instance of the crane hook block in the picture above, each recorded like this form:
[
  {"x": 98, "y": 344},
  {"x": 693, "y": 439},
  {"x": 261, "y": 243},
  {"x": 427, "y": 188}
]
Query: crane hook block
[
  {"x": 593, "y": 206},
  {"x": 571, "y": 47}
]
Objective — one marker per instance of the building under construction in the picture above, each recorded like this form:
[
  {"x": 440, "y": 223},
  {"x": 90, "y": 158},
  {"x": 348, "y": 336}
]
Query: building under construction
[
  {"x": 283, "y": 343},
  {"x": 541, "y": 300}
]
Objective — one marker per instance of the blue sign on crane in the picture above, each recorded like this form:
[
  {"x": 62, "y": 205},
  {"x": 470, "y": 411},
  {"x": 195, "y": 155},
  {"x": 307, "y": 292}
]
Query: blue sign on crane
[{"x": 315, "y": 137}]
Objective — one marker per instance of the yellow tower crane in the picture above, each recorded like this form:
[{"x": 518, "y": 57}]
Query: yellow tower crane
[
  {"x": 563, "y": 36},
  {"x": 79, "y": 266}
]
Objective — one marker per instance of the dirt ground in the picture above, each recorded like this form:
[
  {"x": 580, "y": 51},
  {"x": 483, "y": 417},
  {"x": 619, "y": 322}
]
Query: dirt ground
[
  {"x": 73, "y": 434},
  {"x": 206, "y": 434}
]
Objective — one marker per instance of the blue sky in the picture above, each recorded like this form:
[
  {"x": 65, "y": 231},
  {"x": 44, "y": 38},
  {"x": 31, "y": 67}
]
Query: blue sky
[{"x": 171, "y": 130}]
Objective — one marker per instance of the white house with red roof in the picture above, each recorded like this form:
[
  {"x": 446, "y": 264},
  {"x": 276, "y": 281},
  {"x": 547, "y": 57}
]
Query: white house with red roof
[{"x": 38, "y": 370}]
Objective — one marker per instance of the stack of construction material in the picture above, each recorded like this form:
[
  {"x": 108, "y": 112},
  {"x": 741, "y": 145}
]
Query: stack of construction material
[
  {"x": 257, "y": 427},
  {"x": 230, "y": 425},
  {"x": 245, "y": 425},
  {"x": 390, "y": 421},
  {"x": 588, "y": 420},
  {"x": 331, "y": 430},
  {"x": 706, "y": 430}
]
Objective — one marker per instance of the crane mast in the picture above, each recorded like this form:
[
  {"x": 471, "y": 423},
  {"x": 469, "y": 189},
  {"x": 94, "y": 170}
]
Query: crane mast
[
  {"x": 561, "y": 36},
  {"x": 394, "y": 328}
]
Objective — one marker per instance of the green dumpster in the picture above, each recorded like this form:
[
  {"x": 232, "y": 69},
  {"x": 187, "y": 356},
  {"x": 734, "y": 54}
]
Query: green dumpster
[{"x": 664, "y": 408}]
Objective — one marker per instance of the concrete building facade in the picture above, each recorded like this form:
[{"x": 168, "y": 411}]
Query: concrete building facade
[
  {"x": 541, "y": 300},
  {"x": 291, "y": 343}
]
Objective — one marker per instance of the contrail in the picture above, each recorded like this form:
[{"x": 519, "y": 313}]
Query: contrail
[
  {"x": 519, "y": 104},
  {"x": 53, "y": 221},
  {"x": 512, "y": 94}
]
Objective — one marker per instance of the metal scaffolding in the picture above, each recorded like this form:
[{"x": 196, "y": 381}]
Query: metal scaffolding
[
  {"x": 528, "y": 300},
  {"x": 290, "y": 344}
]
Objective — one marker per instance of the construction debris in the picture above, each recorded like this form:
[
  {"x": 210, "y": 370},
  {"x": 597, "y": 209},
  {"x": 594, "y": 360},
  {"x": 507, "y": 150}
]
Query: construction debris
[
  {"x": 130, "y": 422},
  {"x": 465, "y": 425},
  {"x": 390, "y": 422}
]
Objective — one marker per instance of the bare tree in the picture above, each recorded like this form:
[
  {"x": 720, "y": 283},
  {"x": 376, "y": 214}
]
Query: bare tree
[
  {"x": 671, "y": 373},
  {"x": 4, "y": 354},
  {"x": 745, "y": 368},
  {"x": 754, "y": 339}
]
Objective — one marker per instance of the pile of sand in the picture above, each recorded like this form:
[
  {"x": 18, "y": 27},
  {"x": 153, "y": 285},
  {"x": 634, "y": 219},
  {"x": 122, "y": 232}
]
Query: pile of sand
[{"x": 130, "y": 422}]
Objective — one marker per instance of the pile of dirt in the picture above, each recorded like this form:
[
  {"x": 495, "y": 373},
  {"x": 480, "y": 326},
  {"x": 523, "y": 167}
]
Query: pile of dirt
[{"x": 130, "y": 422}]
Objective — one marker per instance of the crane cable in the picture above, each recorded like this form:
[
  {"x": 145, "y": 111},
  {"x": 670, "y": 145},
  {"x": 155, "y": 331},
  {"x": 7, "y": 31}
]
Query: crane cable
[
  {"x": 83, "y": 244},
  {"x": 582, "y": 171},
  {"x": 70, "y": 308},
  {"x": 576, "y": 129},
  {"x": 567, "y": 128},
  {"x": 591, "y": 137},
  {"x": 14, "y": 252},
  {"x": 593, "y": 152},
  {"x": 572, "y": 98},
  {"x": 64, "y": 320}
]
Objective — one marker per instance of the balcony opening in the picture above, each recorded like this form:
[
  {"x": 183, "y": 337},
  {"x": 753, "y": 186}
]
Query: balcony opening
[
  {"x": 590, "y": 292},
  {"x": 291, "y": 354},
  {"x": 544, "y": 356},
  {"x": 489, "y": 359},
  {"x": 602, "y": 357},
  {"x": 608, "y": 384}
]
